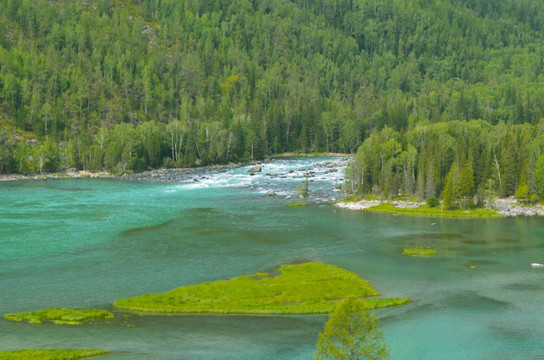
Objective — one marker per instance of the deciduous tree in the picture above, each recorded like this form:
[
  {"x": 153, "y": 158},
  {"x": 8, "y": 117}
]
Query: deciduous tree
[{"x": 351, "y": 333}]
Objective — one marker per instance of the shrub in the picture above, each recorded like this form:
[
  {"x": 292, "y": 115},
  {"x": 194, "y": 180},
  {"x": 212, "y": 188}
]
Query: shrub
[{"x": 433, "y": 202}]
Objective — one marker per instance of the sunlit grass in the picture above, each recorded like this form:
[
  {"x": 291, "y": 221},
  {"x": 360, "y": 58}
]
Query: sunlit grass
[
  {"x": 308, "y": 288},
  {"x": 60, "y": 316},
  {"x": 419, "y": 252},
  {"x": 435, "y": 212},
  {"x": 56, "y": 354},
  {"x": 298, "y": 204}
]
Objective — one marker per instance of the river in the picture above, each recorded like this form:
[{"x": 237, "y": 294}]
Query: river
[{"x": 85, "y": 243}]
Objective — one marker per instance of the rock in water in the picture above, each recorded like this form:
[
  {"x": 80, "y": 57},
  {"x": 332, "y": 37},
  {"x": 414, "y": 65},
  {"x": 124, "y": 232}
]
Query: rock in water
[
  {"x": 254, "y": 169},
  {"x": 271, "y": 193}
]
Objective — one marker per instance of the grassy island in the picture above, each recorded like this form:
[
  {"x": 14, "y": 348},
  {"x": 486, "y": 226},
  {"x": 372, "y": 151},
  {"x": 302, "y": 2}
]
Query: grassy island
[
  {"x": 309, "y": 288},
  {"x": 436, "y": 212},
  {"x": 298, "y": 204},
  {"x": 56, "y": 354},
  {"x": 60, "y": 316},
  {"x": 419, "y": 252}
]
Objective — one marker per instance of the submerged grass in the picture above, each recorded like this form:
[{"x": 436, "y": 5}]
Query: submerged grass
[
  {"x": 419, "y": 252},
  {"x": 55, "y": 354},
  {"x": 308, "y": 288},
  {"x": 436, "y": 212},
  {"x": 60, "y": 316},
  {"x": 298, "y": 204}
]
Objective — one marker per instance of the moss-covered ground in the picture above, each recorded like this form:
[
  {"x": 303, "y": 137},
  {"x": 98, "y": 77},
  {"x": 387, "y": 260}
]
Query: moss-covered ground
[
  {"x": 308, "y": 288},
  {"x": 436, "y": 212},
  {"x": 56, "y": 354},
  {"x": 60, "y": 316}
]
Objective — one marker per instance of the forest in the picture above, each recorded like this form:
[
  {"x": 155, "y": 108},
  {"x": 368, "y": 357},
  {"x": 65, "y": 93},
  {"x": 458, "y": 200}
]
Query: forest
[{"x": 441, "y": 97}]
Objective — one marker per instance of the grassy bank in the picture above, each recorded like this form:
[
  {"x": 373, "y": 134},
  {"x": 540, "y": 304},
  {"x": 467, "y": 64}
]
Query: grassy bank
[
  {"x": 55, "y": 354},
  {"x": 436, "y": 212},
  {"x": 308, "y": 288},
  {"x": 60, "y": 316}
]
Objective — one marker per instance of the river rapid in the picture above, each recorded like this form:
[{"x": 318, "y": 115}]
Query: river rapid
[{"x": 84, "y": 243}]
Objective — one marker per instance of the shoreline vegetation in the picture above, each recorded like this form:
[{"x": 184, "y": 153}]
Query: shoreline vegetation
[
  {"x": 310, "y": 288},
  {"x": 156, "y": 174},
  {"x": 419, "y": 252},
  {"x": 51, "y": 354},
  {"x": 60, "y": 316},
  {"x": 499, "y": 209}
]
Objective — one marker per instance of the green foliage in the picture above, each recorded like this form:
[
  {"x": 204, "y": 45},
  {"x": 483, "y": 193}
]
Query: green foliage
[
  {"x": 141, "y": 84},
  {"x": 525, "y": 195},
  {"x": 60, "y": 316},
  {"x": 54, "y": 354},
  {"x": 539, "y": 174},
  {"x": 419, "y": 252},
  {"x": 464, "y": 161},
  {"x": 352, "y": 198},
  {"x": 304, "y": 188},
  {"x": 308, "y": 288},
  {"x": 351, "y": 333},
  {"x": 433, "y": 202},
  {"x": 435, "y": 212},
  {"x": 298, "y": 204}
]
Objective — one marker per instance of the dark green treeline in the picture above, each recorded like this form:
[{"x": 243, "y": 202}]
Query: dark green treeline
[
  {"x": 131, "y": 85},
  {"x": 463, "y": 162}
]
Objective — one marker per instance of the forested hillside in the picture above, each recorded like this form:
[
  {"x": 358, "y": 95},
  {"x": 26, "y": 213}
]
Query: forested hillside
[{"x": 131, "y": 85}]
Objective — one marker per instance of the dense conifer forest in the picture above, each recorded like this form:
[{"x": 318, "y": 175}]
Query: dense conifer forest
[{"x": 446, "y": 97}]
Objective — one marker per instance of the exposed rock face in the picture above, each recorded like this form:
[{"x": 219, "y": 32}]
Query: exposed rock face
[{"x": 254, "y": 169}]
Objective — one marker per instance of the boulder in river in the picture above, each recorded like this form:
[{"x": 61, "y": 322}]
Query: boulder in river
[
  {"x": 254, "y": 169},
  {"x": 271, "y": 193}
]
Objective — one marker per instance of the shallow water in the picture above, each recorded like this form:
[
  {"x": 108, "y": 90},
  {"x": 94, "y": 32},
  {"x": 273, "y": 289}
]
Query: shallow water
[{"x": 88, "y": 242}]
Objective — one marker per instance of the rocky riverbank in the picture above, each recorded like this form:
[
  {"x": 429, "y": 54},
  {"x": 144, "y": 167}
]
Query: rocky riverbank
[
  {"x": 510, "y": 207},
  {"x": 365, "y": 204},
  {"x": 177, "y": 175},
  {"x": 61, "y": 175},
  {"x": 506, "y": 207},
  {"x": 172, "y": 175}
]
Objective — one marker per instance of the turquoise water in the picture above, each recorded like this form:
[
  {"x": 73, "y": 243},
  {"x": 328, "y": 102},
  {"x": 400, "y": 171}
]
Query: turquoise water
[{"x": 88, "y": 242}]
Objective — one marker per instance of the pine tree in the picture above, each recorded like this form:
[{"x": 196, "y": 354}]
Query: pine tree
[
  {"x": 539, "y": 176},
  {"x": 448, "y": 194},
  {"x": 465, "y": 184}
]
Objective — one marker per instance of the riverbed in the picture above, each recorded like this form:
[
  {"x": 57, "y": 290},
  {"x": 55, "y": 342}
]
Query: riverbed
[{"x": 85, "y": 243}]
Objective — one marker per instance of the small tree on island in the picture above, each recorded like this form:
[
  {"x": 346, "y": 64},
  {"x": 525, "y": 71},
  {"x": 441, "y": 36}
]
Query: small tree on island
[
  {"x": 304, "y": 188},
  {"x": 351, "y": 333}
]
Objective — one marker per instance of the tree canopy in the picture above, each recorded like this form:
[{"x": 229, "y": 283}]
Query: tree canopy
[
  {"x": 131, "y": 85},
  {"x": 351, "y": 333}
]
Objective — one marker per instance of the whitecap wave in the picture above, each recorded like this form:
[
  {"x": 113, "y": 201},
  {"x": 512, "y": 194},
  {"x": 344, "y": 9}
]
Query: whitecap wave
[{"x": 281, "y": 175}]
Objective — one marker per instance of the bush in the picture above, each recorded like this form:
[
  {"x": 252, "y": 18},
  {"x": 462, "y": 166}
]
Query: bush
[{"x": 433, "y": 202}]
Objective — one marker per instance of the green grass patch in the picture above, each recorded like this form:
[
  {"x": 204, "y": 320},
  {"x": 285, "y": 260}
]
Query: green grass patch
[
  {"x": 351, "y": 198},
  {"x": 310, "y": 288},
  {"x": 436, "y": 212},
  {"x": 298, "y": 204},
  {"x": 56, "y": 354},
  {"x": 60, "y": 316},
  {"x": 419, "y": 252}
]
